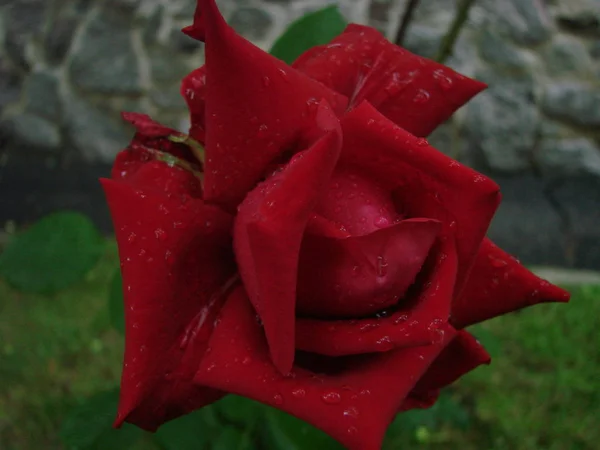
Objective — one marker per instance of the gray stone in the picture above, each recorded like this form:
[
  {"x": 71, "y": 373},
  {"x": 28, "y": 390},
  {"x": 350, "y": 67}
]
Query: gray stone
[
  {"x": 379, "y": 10},
  {"x": 124, "y": 4},
  {"x": 595, "y": 49},
  {"x": 15, "y": 44},
  {"x": 26, "y": 16},
  {"x": 152, "y": 25},
  {"x": 575, "y": 102},
  {"x": 165, "y": 68},
  {"x": 41, "y": 94},
  {"x": 32, "y": 132},
  {"x": 105, "y": 60},
  {"x": 181, "y": 42},
  {"x": 98, "y": 135},
  {"x": 169, "y": 98},
  {"x": 501, "y": 124},
  {"x": 10, "y": 84},
  {"x": 499, "y": 51},
  {"x": 579, "y": 198},
  {"x": 526, "y": 224},
  {"x": 568, "y": 157},
  {"x": 58, "y": 38},
  {"x": 526, "y": 21},
  {"x": 579, "y": 16},
  {"x": 423, "y": 40},
  {"x": 566, "y": 54},
  {"x": 253, "y": 23}
]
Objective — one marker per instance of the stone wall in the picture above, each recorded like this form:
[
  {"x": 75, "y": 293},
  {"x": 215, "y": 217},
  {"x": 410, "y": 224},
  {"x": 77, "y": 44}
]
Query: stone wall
[{"x": 67, "y": 67}]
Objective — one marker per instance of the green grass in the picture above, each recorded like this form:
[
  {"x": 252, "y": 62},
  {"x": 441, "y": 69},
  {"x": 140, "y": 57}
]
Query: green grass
[{"x": 539, "y": 393}]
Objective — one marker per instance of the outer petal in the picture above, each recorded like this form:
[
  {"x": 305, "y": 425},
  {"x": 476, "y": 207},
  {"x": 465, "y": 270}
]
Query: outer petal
[
  {"x": 421, "y": 318},
  {"x": 499, "y": 284},
  {"x": 352, "y": 399},
  {"x": 193, "y": 89},
  {"x": 463, "y": 354},
  {"x": 427, "y": 182},
  {"x": 272, "y": 106},
  {"x": 268, "y": 233},
  {"x": 175, "y": 259},
  {"x": 150, "y": 141},
  {"x": 414, "y": 92}
]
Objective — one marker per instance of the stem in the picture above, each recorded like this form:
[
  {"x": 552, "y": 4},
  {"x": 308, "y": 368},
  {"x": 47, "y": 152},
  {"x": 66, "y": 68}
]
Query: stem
[
  {"x": 406, "y": 20},
  {"x": 449, "y": 40}
]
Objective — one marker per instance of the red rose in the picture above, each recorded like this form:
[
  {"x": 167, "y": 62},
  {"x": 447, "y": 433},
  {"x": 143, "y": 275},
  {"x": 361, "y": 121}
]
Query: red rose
[{"x": 320, "y": 256}]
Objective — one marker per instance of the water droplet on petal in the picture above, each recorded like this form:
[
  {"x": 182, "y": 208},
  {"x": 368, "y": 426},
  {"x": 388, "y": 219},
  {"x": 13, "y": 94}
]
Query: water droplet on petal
[
  {"x": 131, "y": 238},
  {"x": 421, "y": 142},
  {"x": 278, "y": 399},
  {"x": 299, "y": 393},
  {"x": 400, "y": 319},
  {"x": 381, "y": 222},
  {"x": 262, "y": 131},
  {"x": 421, "y": 97},
  {"x": 351, "y": 412},
  {"x": 352, "y": 431},
  {"x": 266, "y": 81},
  {"x": 331, "y": 397},
  {"x": 247, "y": 361},
  {"x": 160, "y": 234},
  {"x": 382, "y": 266}
]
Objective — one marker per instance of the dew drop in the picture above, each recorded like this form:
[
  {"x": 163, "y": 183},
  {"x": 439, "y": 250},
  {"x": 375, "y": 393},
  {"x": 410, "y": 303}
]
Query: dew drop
[
  {"x": 368, "y": 326},
  {"x": 381, "y": 222},
  {"x": 382, "y": 266},
  {"x": 422, "y": 142},
  {"x": 351, "y": 412},
  {"x": 262, "y": 131},
  {"x": 299, "y": 393},
  {"x": 169, "y": 258},
  {"x": 421, "y": 97},
  {"x": 331, "y": 397},
  {"x": 400, "y": 319},
  {"x": 160, "y": 234},
  {"x": 131, "y": 237},
  {"x": 352, "y": 431},
  {"x": 266, "y": 81},
  {"x": 443, "y": 80},
  {"x": 497, "y": 263},
  {"x": 247, "y": 361},
  {"x": 278, "y": 399}
]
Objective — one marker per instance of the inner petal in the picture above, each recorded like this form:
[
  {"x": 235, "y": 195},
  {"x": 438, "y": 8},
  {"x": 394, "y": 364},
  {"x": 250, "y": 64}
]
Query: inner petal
[{"x": 357, "y": 204}]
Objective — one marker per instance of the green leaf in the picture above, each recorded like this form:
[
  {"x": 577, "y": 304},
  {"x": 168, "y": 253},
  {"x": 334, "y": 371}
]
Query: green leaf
[
  {"x": 420, "y": 423},
  {"x": 193, "y": 431},
  {"x": 313, "y": 29},
  {"x": 115, "y": 302},
  {"x": 52, "y": 254},
  {"x": 285, "y": 432},
  {"x": 232, "y": 439},
  {"x": 89, "y": 426},
  {"x": 241, "y": 410}
]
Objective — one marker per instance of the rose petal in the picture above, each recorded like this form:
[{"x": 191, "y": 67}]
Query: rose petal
[
  {"x": 193, "y": 90},
  {"x": 416, "y": 93},
  {"x": 150, "y": 138},
  {"x": 272, "y": 106},
  {"x": 420, "y": 320},
  {"x": 499, "y": 284},
  {"x": 461, "y": 356},
  {"x": 353, "y": 403},
  {"x": 268, "y": 233},
  {"x": 361, "y": 275},
  {"x": 426, "y": 182},
  {"x": 176, "y": 258}
]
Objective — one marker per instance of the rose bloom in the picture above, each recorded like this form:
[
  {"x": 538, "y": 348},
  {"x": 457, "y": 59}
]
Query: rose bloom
[{"x": 305, "y": 246}]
